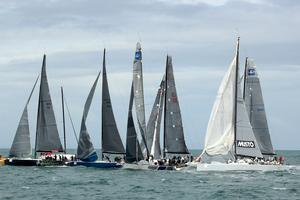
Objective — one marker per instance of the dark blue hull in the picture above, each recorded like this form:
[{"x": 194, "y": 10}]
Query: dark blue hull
[{"x": 97, "y": 164}]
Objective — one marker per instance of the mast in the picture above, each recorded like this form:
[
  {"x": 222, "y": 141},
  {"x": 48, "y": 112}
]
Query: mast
[
  {"x": 64, "y": 123},
  {"x": 165, "y": 107},
  {"x": 236, "y": 92},
  {"x": 38, "y": 113},
  {"x": 102, "y": 113},
  {"x": 245, "y": 75}
]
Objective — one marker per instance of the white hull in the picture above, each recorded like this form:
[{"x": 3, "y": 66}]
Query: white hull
[
  {"x": 241, "y": 167},
  {"x": 136, "y": 166}
]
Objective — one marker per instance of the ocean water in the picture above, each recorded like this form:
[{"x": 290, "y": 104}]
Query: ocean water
[{"x": 76, "y": 183}]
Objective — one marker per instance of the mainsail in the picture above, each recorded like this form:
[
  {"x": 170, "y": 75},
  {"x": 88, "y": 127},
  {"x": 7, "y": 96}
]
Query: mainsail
[
  {"x": 153, "y": 126},
  {"x": 85, "y": 148},
  {"x": 47, "y": 138},
  {"x": 21, "y": 146},
  {"x": 111, "y": 140},
  {"x": 133, "y": 149},
  {"x": 256, "y": 110},
  {"x": 139, "y": 97},
  {"x": 229, "y": 133},
  {"x": 174, "y": 142}
]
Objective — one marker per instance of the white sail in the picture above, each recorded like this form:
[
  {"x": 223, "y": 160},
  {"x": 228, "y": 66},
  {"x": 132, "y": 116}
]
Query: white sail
[
  {"x": 219, "y": 137},
  {"x": 229, "y": 133}
]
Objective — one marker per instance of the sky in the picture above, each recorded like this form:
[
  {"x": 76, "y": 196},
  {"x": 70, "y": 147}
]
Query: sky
[{"x": 200, "y": 35}]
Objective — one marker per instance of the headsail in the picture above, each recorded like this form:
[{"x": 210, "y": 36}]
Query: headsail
[
  {"x": 256, "y": 110},
  {"x": 85, "y": 148},
  {"x": 47, "y": 138},
  {"x": 139, "y": 97},
  {"x": 229, "y": 133},
  {"x": 174, "y": 142},
  {"x": 111, "y": 140},
  {"x": 133, "y": 149},
  {"x": 153, "y": 126},
  {"x": 21, "y": 146}
]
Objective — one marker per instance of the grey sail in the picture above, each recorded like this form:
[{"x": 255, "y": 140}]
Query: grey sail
[
  {"x": 111, "y": 140},
  {"x": 245, "y": 141},
  {"x": 85, "y": 148},
  {"x": 139, "y": 97},
  {"x": 174, "y": 141},
  {"x": 153, "y": 126},
  {"x": 133, "y": 149},
  {"x": 21, "y": 146},
  {"x": 256, "y": 109},
  {"x": 47, "y": 138}
]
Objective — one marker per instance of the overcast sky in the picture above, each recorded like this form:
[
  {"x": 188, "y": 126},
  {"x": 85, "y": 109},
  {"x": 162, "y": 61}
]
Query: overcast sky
[{"x": 199, "y": 34}]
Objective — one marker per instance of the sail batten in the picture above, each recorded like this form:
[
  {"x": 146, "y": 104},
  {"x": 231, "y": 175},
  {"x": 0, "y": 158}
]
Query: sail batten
[
  {"x": 47, "y": 137},
  {"x": 255, "y": 108},
  {"x": 111, "y": 140},
  {"x": 85, "y": 148}
]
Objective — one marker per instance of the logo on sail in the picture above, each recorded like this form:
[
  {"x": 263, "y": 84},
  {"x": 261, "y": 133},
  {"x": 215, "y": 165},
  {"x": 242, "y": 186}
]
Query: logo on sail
[
  {"x": 138, "y": 55},
  {"x": 251, "y": 72},
  {"x": 245, "y": 144}
]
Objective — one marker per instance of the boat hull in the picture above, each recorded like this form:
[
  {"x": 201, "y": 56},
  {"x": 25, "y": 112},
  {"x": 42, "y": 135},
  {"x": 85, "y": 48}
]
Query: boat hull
[
  {"x": 161, "y": 167},
  {"x": 240, "y": 167},
  {"x": 136, "y": 166},
  {"x": 96, "y": 164},
  {"x": 22, "y": 162}
]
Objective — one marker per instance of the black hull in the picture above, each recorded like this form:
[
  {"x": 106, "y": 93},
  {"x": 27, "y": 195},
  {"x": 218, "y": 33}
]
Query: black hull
[{"x": 21, "y": 162}]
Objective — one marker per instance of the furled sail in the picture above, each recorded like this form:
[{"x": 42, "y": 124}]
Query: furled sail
[
  {"x": 153, "y": 126},
  {"x": 139, "y": 97},
  {"x": 174, "y": 142},
  {"x": 85, "y": 148},
  {"x": 256, "y": 110},
  {"x": 111, "y": 140},
  {"x": 47, "y": 137},
  {"x": 21, "y": 146},
  {"x": 133, "y": 149}
]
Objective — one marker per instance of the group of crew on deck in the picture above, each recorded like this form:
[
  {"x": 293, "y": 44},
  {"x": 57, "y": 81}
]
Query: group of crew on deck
[{"x": 262, "y": 161}]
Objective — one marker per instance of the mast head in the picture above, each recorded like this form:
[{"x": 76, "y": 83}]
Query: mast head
[{"x": 138, "y": 46}]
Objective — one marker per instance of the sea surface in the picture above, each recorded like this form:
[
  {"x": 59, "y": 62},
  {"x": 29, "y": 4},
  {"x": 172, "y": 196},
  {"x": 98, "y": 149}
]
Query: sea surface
[{"x": 76, "y": 183}]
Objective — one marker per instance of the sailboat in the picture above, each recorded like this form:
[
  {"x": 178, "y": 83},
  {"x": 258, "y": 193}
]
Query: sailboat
[
  {"x": 111, "y": 141},
  {"x": 230, "y": 142},
  {"x": 137, "y": 153},
  {"x": 20, "y": 153},
  {"x": 173, "y": 138},
  {"x": 138, "y": 91},
  {"x": 256, "y": 109},
  {"x": 48, "y": 146}
]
